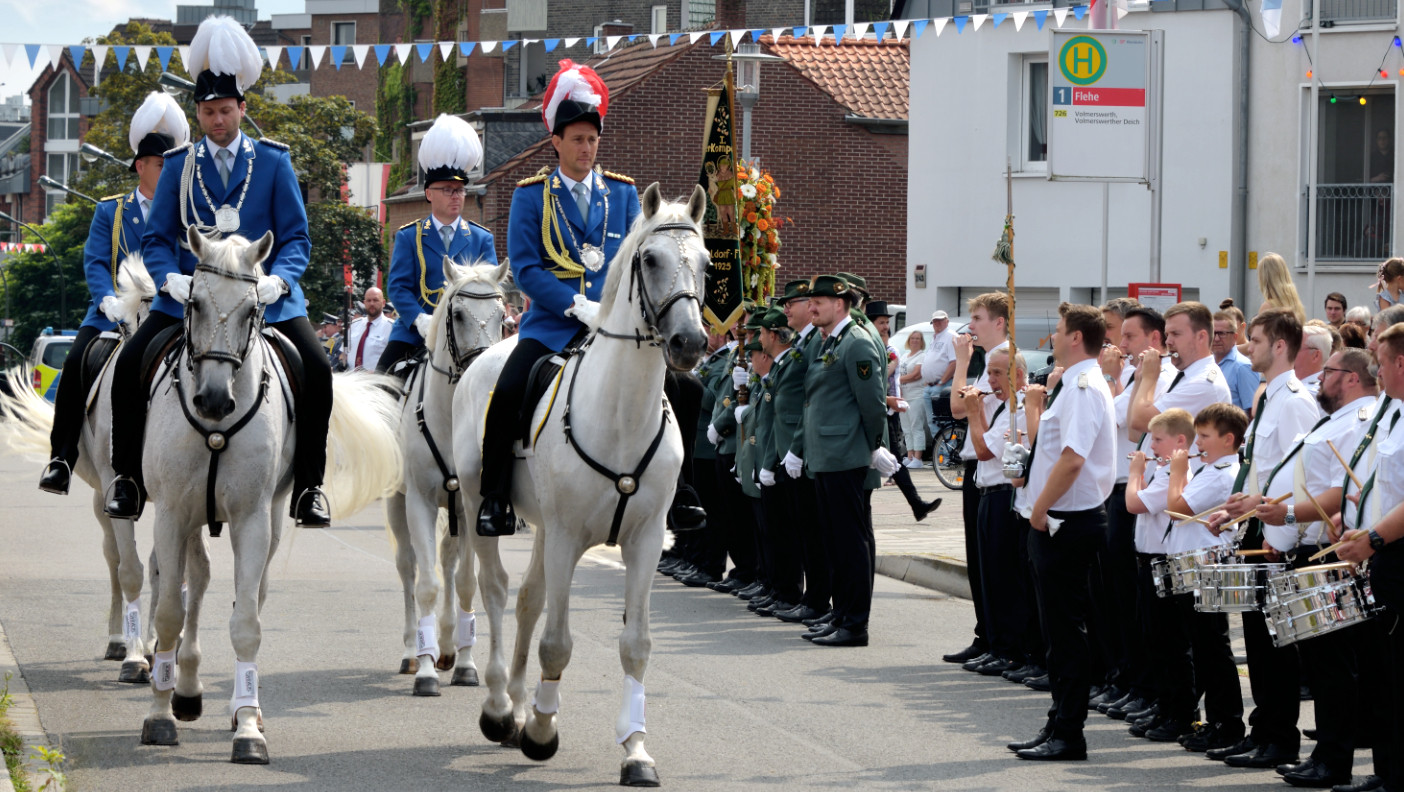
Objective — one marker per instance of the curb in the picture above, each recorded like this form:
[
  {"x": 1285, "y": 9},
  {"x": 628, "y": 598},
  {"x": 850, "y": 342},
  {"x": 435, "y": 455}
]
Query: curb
[
  {"x": 945, "y": 575},
  {"x": 24, "y": 713}
]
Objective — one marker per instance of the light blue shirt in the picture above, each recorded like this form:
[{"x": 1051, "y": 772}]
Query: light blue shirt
[{"x": 1242, "y": 379}]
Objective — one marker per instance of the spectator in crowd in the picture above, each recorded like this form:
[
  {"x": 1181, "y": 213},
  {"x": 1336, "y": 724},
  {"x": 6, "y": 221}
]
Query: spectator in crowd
[
  {"x": 1238, "y": 371},
  {"x": 369, "y": 334},
  {"x": 1275, "y": 282},
  {"x": 1336, "y": 309},
  {"x": 1390, "y": 283},
  {"x": 1360, "y": 315},
  {"x": 1352, "y": 335},
  {"x": 938, "y": 368},
  {"x": 913, "y": 391},
  {"x": 1315, "y": 349}
]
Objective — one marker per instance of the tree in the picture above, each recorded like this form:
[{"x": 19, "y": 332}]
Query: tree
[{"x": 33, "y": 277}]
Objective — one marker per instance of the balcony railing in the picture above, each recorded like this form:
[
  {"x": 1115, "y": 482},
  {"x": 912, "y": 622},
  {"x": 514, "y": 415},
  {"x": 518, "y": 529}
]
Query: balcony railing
[
  {"x": 1346, "y": 12},
  {"x": 1353, "y": 221}
]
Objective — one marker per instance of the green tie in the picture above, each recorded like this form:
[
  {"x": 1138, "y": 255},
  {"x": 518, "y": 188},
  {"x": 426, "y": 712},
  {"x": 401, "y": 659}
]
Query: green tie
[{"x": 1248, "y": 446}]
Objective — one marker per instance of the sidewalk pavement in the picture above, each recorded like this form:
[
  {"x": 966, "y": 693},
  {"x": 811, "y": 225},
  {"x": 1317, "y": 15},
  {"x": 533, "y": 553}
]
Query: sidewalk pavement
[
  {"x": 23, "y": 713},
  {"x": 930, "y": 553}
]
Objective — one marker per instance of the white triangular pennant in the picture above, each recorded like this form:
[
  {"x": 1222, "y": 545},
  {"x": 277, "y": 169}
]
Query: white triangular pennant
[
  {"x": 184, "y": 57},
  {"x": 488, "y": 46},
  {"x": 142, "y": 52},
  {"x": 275, "y": 54},
  {"x": 99, "y": 55},
  {"x": 56, "y": 52},
  {"x": 402, "y": 51},
  {"x": 611, "y": 42},
  {"x": 819, "y": 31},
  {"x": 314, "y": 55},
  {"x": 1019, "y": 17},
  {"x": 1060, "y": 14},
  {"x": 571, "y": 42},
  {"x": 860, "y": 29},
  {"x": 1121, "y": 12},
  {"x": 776, "y": 33},
  {"x": 940, "y": 24},
  {"x": 695, "y": 35},
  {"x": 899, "y": 27},
  {"x": 8, "y": 50},
  {"x": 736, "y": 36},
  {"x": 360, "y": 51},
  {"x": 445, "y": 47},
  {"x": 653, "y": 38},
  {"x": 977, "y": 20}
]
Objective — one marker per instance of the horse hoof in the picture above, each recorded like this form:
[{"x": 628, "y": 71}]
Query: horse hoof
[
  {"x": 638, "y": 774},
  {"x": 159, "y": 731},
  {"x": 134, "y": 673},
  {"x": 426, "y": 686},
  {"x": 187, "y": 708},
  {"x": 116, "y": 650},
  {"x": 498, "y": 730},
  {"x": 540, "y": 752},
  {"x": 249, "y": 750},
  {"x": 445, "y": 662},
  {"x": 234, "y": 724},
  {"x": 465, "y": 677},
  {"x": 409, "y": 665}
]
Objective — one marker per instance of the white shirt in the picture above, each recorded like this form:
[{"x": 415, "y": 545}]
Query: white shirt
[
  {"x": 1150, "y": 527},
  {"x": 1081, "y": 419},
  {"x": 438, "y": 227},
  {"x": 1314, "y": 469},
  {"x": 967, "y": 451},
  {"x": 990, "y": 472},
  {"x": 1203, "y": 384},
  {"x": 375, "y": 342},
  {"x": 1209, "y": 485},
  {"x": 1366, "y": 465},
  {"x": 1289, "y": 413},
  {"x": 838, "y": 328},
  {"x": 1122, "y": 403},
  {"x": 939, "y": 355},
  {"x": 1312, "y": 382},
  {"x": 233, "y": 149}
]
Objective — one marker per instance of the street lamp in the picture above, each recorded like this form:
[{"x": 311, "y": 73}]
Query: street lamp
[
  {"x": 748, "y": 58},
  {"x": 63, "y": 287},
  {"x": 179, "y": 88},
  {"x": 91, "y": 154},
  {"x": 45, "y": 181}
]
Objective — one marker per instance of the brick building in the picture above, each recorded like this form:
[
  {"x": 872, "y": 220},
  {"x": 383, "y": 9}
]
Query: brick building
[{"x": 59, "y": 124}]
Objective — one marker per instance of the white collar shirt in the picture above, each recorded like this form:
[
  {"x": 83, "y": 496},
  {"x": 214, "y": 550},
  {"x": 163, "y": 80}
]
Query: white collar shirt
[
  {"x": 1312, "y": 382},
  {"x": 938, "y": 357},
  {"x": 838, "y": 328},
  {"x": 1150, "y": 526},
  {"x": 1203, "y": 384},
  {"x": 233, "y": 149},
  {"x": 1210, "y": 485},
  {"x": 1365, "y": 465},
  {"x": 438, "y": 226},
  {"x": 1388, "y": 489},
  {"x": 990, "y": 472},
  {"x": 967, "y": 451},
  {"x": 1288, "y": 414},
  {"x": 379, "y": 336},
  {"x": 1082, "y": 420},
  {"x": 1314, "y": 469}
]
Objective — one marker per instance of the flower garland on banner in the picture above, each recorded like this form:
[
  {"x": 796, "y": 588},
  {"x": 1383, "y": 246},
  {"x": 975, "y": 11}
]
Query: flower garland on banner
[{"x": 760, "y": 230}]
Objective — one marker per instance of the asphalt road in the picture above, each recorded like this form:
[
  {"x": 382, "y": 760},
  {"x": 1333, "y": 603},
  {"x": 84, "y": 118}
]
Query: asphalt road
[{"x": 734, "y": 701}]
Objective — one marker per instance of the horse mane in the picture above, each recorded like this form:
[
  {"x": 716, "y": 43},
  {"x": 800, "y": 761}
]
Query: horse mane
[
  {"x": 222, "y": 255},
  {"x": 479, "y": 271},
  {"x": 668, "y": 212},
  {"x": 134, "y": 286}
]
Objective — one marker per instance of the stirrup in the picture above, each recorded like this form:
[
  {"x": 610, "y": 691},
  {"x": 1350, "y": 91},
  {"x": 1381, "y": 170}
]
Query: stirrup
[
  {"x": 112, "y": 509},
  {"x": 310, "y": 508},
  {"x": 59, "y": 487}
]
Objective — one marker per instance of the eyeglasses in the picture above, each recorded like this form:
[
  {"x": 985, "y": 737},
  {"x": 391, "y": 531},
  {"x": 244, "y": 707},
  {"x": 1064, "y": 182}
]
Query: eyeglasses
[
  {"x": 1325, "y": 369},
  {"x": 1222, "y": 333},
  {"x": 449, "y": 192}
]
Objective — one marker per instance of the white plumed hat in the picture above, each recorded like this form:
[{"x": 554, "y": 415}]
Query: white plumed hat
[
  {"x": 575, "y": 93},
  {"x": 224, "y": 59},
  {"x": 449, "y": 150},
  {"x": 158, "y": 126}
]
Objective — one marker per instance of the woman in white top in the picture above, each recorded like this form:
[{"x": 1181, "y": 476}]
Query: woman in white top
[{"x": 913, "y": 391}]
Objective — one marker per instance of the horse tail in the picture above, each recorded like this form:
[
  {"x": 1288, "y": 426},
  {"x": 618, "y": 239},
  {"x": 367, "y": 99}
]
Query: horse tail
[
  {"x": 363, "y": 447},
  {"x": 134, "y": 285},
  {"x": 26, "y": 419}
]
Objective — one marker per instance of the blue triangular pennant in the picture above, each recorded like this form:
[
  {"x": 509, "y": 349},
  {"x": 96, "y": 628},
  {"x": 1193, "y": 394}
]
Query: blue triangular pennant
[
  {"x": 382, "y": 51},
  {"x": 717, "y": 36},
  {"x": 424, "y": 50},
  {"x": 551, "y": 44},
  {"x": 294, "y": 58},
  {"x": 839, "y": 31},
  {"x": 508, "y": 44},
  {"x": 465, "y": 48},
  {"x": 880, "y": 28},
  {"x": 1040, "y": 17},
  {"x": 32, "y": 50},
  {"x": 998, "y": 18},
  {"x": 961, "y": 22},
  {"x": 120, "y": 52},
  {"x": 338, "y": 52},
  {"x": 756, "y": 34},
  {"x": 76, "y": 52},
  {"x": 1079, "y": 11},
  {"x": 590, "y": 41},
  {"x": 801, "y": 31},
  {"x": 672, "y": 39},
  {"x": 633, "y": 37},
  {"x": 164, "y": 55},
  {"x": 918, "y": 27}
]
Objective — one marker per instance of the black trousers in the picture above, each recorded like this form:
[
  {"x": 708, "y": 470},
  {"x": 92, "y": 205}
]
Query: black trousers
[
  {"x": 312, "y": 413},
  {"x": 1378, "y": 683},
  {"x": 1330, "y": 666},
  {"x": 1120, "y": 636},
  {"x": 1172, "y": 630},
  {"x": 809, "y": 536},
  {"x": 503, "y": 416},
  {"x": 845, "y": 515},
  {"x": 1215, "y": 673},
  {"x": 737, "y": 537},
  {"x": 970, "y": 510},
  {"x": 782, "y": 540},
  {"x": 394, "y": 352},
  {"x": 1005, "y": 614},
  {"x": 1034, "y": 643},
  {"x": 704, "y": 549},
  {"x": 1387, "y": 580},
  {"x": 1274, "y": 676},
  {"x": 68, "y": 402},
  {"x": 761, "y": 542},
  {"x": 1144, "y": 626},
  {"x": 1061, "y": 566}
]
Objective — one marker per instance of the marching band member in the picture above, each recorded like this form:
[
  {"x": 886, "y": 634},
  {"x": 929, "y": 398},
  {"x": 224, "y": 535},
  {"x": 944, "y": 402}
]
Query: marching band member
[{"x": 157, "y": 126}]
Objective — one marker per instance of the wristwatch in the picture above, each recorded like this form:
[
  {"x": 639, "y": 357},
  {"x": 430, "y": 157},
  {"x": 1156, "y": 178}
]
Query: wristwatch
[
  {"x": 1377, "y": 542},
  {"x": 1291, "y": 518}
]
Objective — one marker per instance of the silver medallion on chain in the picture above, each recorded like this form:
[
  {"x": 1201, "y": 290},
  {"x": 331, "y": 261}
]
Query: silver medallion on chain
[{"x": 227, "y": 219}]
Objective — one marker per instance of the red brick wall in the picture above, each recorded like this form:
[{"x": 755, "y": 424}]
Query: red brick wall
[
  {"x": 358, "y": 85},
  {"x": 844, "y": 187},
  {"x": 39, "y": 133}
]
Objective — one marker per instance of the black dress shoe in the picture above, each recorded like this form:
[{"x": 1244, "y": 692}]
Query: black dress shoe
[
  {"x": 1316, "y": 775},
  {"x": 751, "y": 590},
  {"x": 684, "y": 570},
  {"x": 56, "y": 476},
  {"x": 1137, "y": 715},
  {"x": 821, "y": 632},
  {"x": 683, "y": 518},
  {"x": 798, "y": 614},
  {"x": 761, "y": 600},
  {"x": 1055, "y": 750},
  {"x": 1123, "y": 710},
  {"x": 995, "y": 667},
  {"x": 1367, "y": 784},
  {"x": 697, "y": 579},
  {"x": 824, "y": 618},
  {"x": 1039, "y": 739},
  {"x": 1243, "y": 746},
  {"x": 1211, "y": 736},
  {"x": 1041, "y": 683},
  {"x": 1139, "y": 727},
  {"x": 1309, "y": 734},
  {"x": 963, "y": 656},
  {"x": 728, "y": 586},
  {"x": 1118, "y": 704},
  {"x": 1109, "y": 695},
  {"x": 1021, "y": 675},
  {"x": 127, "y": 501},
  {"x": 309, "y": 509},
  {"x": 496, "y": 518},
  {"x": 667, "y": 564},
  {"x": 843, "y": 637},
  {"x": 971, "y": 665},
  {"x": 924, "y": 509},
  {"x": 775, "y": 608},
  {"x": 1168, "y": 730},
  {"x": 1264, "y": 757}
]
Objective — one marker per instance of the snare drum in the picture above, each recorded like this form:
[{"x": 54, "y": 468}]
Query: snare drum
[
  {"x": 1160, "y": 575},
  {"x": 1311, "y": 601},
  {"x": 1234, "y": 588},
  {"x": 1183, "y": 571}
]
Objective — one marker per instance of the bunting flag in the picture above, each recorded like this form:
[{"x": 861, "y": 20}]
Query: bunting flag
[
  {"x": 360, "y": 51},
  {"x": 1019, "y": 17},
  {"x": 720, "y": 229},
  {"x": 382, "y": 51},
  {"x": 977, "y": 20},
  {"x": 295, "y": 58},
  {"x": 121, "y": 53},
  {"x": 402, "y": 52},
  {"x": 899, "y": 28},
  {"x": 164, "y": 55},
  {"x": 99, "y": 55},
  {"x": 445, "y": 47},
  {"x": 143, "y": 54},
  {"x": 465, "y": 48},
  {"x": 55, "y": 52},
  {"x": 77, "y": 51},
  {"x": 338, "y": 53},
  {"x": 314, "y": 55},
  {"x": 508, "y": 44},
  {"x": 32, "y": 51},
  {"x": 274, "y": 54},
  {"x": 184, "y": 55}
]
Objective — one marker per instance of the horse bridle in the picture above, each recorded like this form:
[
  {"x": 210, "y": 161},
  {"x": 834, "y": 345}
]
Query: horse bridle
[
  {"x": 235, "y": 358},
  {"x": 459, "y": 360},
  {"x": 652, "y": 314}
]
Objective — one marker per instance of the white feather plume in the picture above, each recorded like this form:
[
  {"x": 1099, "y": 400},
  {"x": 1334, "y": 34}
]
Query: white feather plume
[
  {"x": 450, "y": 143},
  {"x": 222, "y": 46},
  {"x": 159, "y": 113}
]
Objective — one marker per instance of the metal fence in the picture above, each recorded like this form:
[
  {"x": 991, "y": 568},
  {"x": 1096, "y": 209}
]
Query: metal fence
[
  {"x": 1353, "y": 221},
  {"x": 1348, "y": 11}
]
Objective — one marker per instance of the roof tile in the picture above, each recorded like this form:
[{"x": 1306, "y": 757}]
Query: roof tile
[{"x": 869, "y": 77}]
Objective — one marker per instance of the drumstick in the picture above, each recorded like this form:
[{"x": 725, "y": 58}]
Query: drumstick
[
  {"x": 1349, "y": 471},
  {"x": 1246, "y": 515},
  {"x": 1319, "y": 510},
  {"x": 1187, "y": 518},
  {"x": 1262, "y": 551},
  {"x": 1338, "y": 545}
]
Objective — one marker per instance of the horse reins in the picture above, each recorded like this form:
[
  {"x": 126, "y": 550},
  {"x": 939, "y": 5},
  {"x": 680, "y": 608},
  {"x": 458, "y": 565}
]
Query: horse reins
[
  {"x": 236, "y": 359},
  {"x": 652, "y": 315}
]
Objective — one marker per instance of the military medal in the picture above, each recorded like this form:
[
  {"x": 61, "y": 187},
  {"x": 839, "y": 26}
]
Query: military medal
[
  {"x": 592, "y": 257},
  {"x": 227, "y": 219}
]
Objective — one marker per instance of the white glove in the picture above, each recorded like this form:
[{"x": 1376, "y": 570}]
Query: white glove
[
  {"x": 712, "y": 436},
  {"x": 735, "y": 475},
  {"x": 178, "y": 287},
  {"x": 884, "y": 462},
  {"x": 1050, "y": 522},
  {"x": 767, "y": 479},
  {"x": 1016, "y": 459},
  {"x": 586, "y": 310},
  {"x": 739, "y": 377},
  {"x": 270, "y": 289},
  {"x": 421, "y": 325},
  {"x": 741, "y": 412},
  {"x": 111, "y": 308},
  {"x": 794, "y": 466}
]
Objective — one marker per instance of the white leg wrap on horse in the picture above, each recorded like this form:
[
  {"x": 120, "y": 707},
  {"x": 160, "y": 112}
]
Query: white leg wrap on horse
[
  {"x": 547, "y": 699},
  {"x": 163, "y": 676},
  {"x": 131, "y": 621},
  {"x": 245, "y": 686},
  {"x": 467, "y": 629},
  {"x": 427, "y": 638},
  {"x": 631, "y": 715}
]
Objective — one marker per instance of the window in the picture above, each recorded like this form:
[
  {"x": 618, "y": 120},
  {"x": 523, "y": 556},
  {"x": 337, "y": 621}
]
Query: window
[
  {"x": 1357, "y": 11},
  {"x": 1355, "y": 176},
  {"x": 1033, "y": 124},
  {"x": 343, "y": 34},
  {"x": 700, "y": 13},
  {"x": 660, "y": 19},
  {"x": 601, "y": 46},
  {"x": 63, "y": 109},
  {"x": 305, "y": 41}
]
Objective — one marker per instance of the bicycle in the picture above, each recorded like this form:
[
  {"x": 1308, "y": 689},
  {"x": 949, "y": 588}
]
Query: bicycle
[{"x": 948, "y": 438}]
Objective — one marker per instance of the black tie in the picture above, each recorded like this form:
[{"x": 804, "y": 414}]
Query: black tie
[
  {"x": 1179, "y": 375},
  {"x": 1034, "y": 445}
]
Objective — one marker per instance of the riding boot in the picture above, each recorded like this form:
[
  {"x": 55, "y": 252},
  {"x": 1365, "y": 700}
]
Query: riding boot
[
  {"x": 129, "y": 402},
  {"x": 127, "y": 501},
  {"x": 496, "y": 517},
  {"x": 68, "y": 417},
  {"x": 309, "y": 506},
  {"x": 57, "y": 475}
]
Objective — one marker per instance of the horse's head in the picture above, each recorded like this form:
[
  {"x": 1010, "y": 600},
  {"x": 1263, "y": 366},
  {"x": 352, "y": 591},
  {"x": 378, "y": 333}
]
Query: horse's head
[
  {"x": 135, "y": 291},
  {"x": 222, "y": 317},
  {"x": 468, "y": 318},
  {"x": 668, "y": 266}
]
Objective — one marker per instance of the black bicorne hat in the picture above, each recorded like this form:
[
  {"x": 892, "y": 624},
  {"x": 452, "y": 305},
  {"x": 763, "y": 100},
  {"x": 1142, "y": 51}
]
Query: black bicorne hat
[
  {"x": 445, "y": 173},
  {"x": 210, "y": 86},
  {"x": 155, "y": 144},
  {"x": 570, "y": 111}
]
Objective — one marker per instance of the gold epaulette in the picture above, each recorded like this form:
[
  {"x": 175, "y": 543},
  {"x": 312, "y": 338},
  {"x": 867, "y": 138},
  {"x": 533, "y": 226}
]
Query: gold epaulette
[
  {"x": 407, "y": 225},
  {"x": 116, "y": 197},
  {"x": 479, "y": 225},
  {"x": 540, "y": 177},
  {"x": 274, "y": 143},
  {"x": 617, "y": 177}
]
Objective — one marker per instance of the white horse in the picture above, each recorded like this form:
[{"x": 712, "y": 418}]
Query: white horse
[
  {"x": 467, "y": 321},
  {"x": 220, "y": 402},
  {"x": 603, "y": 468},
  {"x": 28, "y": 420}
]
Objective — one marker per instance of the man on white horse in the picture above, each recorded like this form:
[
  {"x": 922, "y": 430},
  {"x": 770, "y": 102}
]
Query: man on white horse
[
  {"x": 586, "y": 214},
  {"x": 158, "y": 126},
  {"x": 449, "y": 150},
  {"x": 226, "y": 184}
]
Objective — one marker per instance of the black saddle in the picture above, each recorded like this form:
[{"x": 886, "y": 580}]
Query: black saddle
[
  {"x": 289, "y": 358},
  {"x": 542, "y": 381},
  {"x": 166, "y": 342},
  {"x": 95, "y": 357},
  {"x": 156, "y": 352}
]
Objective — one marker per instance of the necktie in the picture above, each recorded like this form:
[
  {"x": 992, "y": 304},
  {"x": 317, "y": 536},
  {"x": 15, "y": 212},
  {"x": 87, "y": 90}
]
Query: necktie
[
  {"x": 1248, "y": 446},
  {"x": 145, "y": 208},
  {"x": 582, "y": 200},
  {"x": 361, "y": 347},
  {"x": 1034, "y": 445},
  {"x": 446, "y": 234},
  {"x": 1179, "y": 375},
  {"x": 223, "y": 157}
]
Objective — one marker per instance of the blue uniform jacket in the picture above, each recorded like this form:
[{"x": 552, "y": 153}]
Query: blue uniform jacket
[
  {"x": 99, "y": 267},
  {"x": 471, "y": 243},
  {"x": 273, "y": 203},
  {"x": 533, "y": 270}
]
